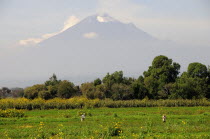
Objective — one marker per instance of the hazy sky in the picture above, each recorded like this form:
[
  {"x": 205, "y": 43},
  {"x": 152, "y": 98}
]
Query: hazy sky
[{"x": 182, "y": 21}]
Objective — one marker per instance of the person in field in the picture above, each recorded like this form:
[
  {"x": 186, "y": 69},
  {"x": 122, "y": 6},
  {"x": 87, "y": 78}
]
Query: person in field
[
  {"x": 83, "y": 117},
  {"x": 164, "y": 118}
]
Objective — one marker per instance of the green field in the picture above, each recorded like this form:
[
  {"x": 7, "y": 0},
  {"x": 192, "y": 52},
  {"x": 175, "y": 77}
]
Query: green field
[{"x": 142, "y": 122}]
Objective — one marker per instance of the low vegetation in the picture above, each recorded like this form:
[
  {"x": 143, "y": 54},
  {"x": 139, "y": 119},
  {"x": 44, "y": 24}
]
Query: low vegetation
[
  {"x": 11, "y": 113},
  {"x": 106, "y": 123},
  {"x": 82, "y": 102}
]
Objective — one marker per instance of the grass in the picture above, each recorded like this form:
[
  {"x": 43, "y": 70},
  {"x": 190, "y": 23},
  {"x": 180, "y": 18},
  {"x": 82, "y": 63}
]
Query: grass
[{"x": 134, "y": 123}]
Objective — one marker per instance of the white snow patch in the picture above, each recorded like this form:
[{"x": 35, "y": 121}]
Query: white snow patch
[
  {"x": 90, "y": 35},
  {"x": 104, "y": 19}
]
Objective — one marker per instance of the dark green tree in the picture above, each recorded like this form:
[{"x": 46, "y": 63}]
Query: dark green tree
[
  {"x": 189, "y": 88},
  {"x": 52, "y": 81},
  {"x": 53, "y": 90},
  {"x": 128, "y": 81},
  {"x": 199, "y": 74},
  {"x": 33, "y": 91},
  {"x": 91, "y": 91},
  {"x": 193, "y": 84},
  {"x": 100, "y": 91},
  {"x": 97, "y": 82},
  {"x": 45, "y": 94},
  {"x": 139, "y": 89},
  {"x": 121, "y": 92},
  {"x": 197, "y": 70},
  {"x": 116, "y": 77},
  {"x": 88, "y": 90},
  {"x": 52, "y": 87},
  {"x": 66, "y": 89},
  {"x": 110, "y": 79},
  {"x": 162, "y": 71}
]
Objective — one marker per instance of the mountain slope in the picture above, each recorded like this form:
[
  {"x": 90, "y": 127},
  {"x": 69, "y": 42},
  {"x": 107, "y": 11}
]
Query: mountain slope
[{"x": 97, "y": 28}]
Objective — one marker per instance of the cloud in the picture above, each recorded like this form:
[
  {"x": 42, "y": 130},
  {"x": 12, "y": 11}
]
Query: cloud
[
  {"x": 46, "y": 36},
  {"x": 71, "y": 21},
  {"x": 90, "y": 35},
  {"x": 30, "y": 41}
]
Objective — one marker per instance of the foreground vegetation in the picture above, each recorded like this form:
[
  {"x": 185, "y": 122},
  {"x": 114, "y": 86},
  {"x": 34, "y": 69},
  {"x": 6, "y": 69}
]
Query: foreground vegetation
[{"x": 144, "y": 122}]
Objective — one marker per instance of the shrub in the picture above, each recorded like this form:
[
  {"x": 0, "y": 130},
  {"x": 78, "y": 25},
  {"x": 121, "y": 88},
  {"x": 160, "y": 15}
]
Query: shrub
[
  {"x": 115, "y": 130},
  {"x": 11, "y": 113},
  {"x": 82, "y": 102}
]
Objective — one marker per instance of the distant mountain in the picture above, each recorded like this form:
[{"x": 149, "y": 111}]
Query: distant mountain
[
  {"x": 99, "y": 28},
  {"x": 96, "y": 45}
]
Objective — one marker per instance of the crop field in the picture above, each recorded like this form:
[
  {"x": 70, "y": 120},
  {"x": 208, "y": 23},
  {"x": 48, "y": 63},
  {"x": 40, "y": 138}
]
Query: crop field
[{"x": 105, "y": 123}]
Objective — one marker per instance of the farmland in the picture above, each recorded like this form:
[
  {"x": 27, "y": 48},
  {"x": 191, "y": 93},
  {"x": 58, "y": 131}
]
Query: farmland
[{"x": 140, "y": 122}]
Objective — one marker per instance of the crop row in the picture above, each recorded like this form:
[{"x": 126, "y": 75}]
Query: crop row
[{"x": 81, "y": 102}]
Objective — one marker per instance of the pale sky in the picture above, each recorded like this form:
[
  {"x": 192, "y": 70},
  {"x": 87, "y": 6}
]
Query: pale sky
[{"x": 183, "y": 21}]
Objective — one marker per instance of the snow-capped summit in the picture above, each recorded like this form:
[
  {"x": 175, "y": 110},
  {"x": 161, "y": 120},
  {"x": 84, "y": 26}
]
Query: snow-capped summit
[
  {"x": 99, "y": 27},
  {"x": 105, "y": 18}
]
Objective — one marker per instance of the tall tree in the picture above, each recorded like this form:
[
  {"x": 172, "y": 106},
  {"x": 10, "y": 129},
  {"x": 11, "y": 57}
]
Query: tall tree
[
  {"x": 97, "y": 82},
  {"x": 116, "y": 77},
  {"x": 162, "y": 71},
  {"x": 193, "y": 83},
  {"x": 33, "y": 91},
  {"x": 187, "y": 88},
  {"x": 121, "y": 92},
  {"x": 52, "y": 81},
  {"x": 197, "y": 70},
  {"x": 66, "y": 89},
  {"x": 139, "y": 89}
]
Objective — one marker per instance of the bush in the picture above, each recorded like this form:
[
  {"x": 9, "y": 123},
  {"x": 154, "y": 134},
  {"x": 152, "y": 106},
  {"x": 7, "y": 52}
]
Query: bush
[
  {"x": 11, "y": 113},
  {"x": 115, "y": 129},
  {"x": 82, "y": 102}
]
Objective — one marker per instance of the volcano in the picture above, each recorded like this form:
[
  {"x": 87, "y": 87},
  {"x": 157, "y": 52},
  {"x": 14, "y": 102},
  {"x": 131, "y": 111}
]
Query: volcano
[{"x": 100, "y": 28}]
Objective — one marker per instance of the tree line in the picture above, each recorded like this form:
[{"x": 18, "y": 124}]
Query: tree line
[{"x": 160, "y": 81}]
